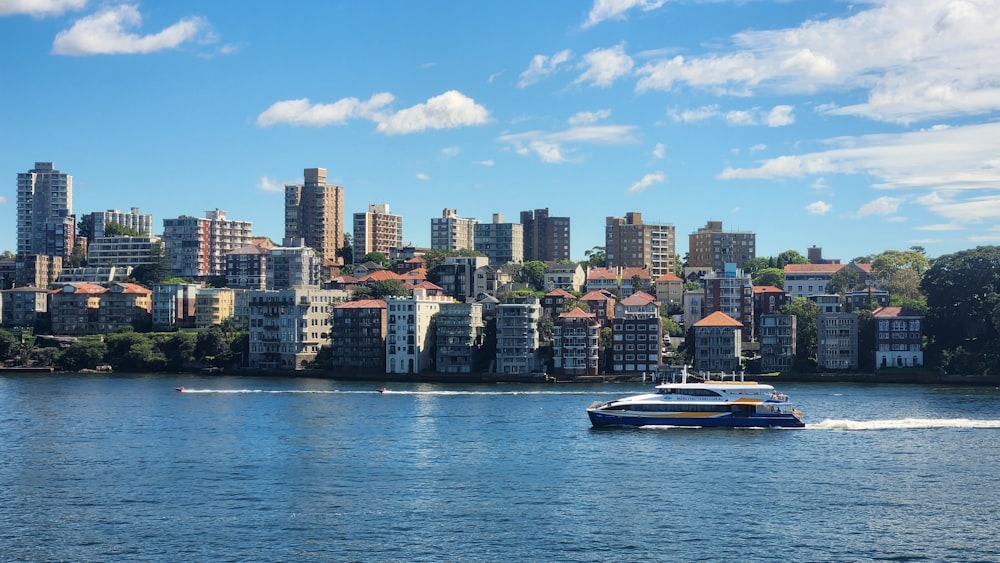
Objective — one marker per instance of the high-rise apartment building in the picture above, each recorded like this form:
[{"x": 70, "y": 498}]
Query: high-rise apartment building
[
  {"x": 712, "y": 247},
  {"x": 545, "y": 238},
  {"x": 92, "y": 224},
  {"x": 502, "y": 242},
  {"x": 377, "y": 230},
  {"x": 451, "y": 232},
  {"x": 631, "y": 243},
  {"x": 197, "y": 246},
  {"x": 45, "y": 221},
  {"x": 314, "y": 212}
]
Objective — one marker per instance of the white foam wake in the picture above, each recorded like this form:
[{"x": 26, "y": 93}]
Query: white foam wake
[{"x": 903, "y": 424}]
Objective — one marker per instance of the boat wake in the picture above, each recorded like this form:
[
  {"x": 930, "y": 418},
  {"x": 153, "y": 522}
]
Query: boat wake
[{"x": 903, "y": 424}]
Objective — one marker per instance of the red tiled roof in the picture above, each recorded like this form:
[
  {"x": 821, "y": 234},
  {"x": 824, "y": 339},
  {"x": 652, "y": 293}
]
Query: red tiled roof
[
  {"x": 596, "y": 295},
  {"x": 380, "y": 275},
  {"x": 643, "y": 273},
  {"x": 133, "y": 288},
  {"x": 888, "y": 312},
  {"x": 813, "y": 268},
  {"x": 92, "y": 288},
  {"x": 767, "y": 289},
  {"x": 427, "y": 285},
  {"x": 602, "y": 274},
  {"x": 559, "y": 292},
  {"x": 719, "y": 318},
  {"x": 363, "y": 304},
  {"x": 668, "y": 278},
  {"x": 638, "y": 298},
  {"x": 577, "y": 313}
]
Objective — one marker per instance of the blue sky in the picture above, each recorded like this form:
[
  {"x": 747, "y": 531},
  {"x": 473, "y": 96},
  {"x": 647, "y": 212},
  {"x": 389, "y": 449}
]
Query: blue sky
[{"x": 855, "y": 126}]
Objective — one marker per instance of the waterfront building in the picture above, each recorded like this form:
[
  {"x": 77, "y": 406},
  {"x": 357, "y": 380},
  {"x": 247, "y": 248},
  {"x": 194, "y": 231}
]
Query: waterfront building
[
  {"x": 74, "y": 308},
  {"x": 460, "y": 329},
  {"x": 124, "y": 251},
  {"x": 314, "y": 212},
  {"x": 292, "y": 265},
  {"x": 246, "y": 267},
  {"x": 837, "y": 341},
  {"x": 502, "y": 242},
  {"x": 288, "y": 326},
  {"x": 718, "y": 343},
  {"x": 36, "y": 270},
  {"x": 213, "y": 305},
  {"x": 124, "y": 306},
  {"x": 777, "y": 342},
  {"x": 92, "y": 224},
  {"x": 410, "y": 339},
  {"x": 45, "y": 221},
  {"x": 898, "y": 337},
  {"x": 669, "y": 288},
  {"x": 768, "y": 300},
  {"x": 457, "y": 275},
  {"x": 451, "y": 232},
  {"x": 357, "y": 336},
  {"x": 197, "y": 247},
  {"x": 570, "y": 277},
  {"x": 174, "y": 306},
  {"x": 517, "y": 336},
  {"x": 376, "y": 230},
  {"x": 731, "y": 292},
  {"x": 545, "y": 238},
  {"x": 23, "y": 306},
  {"x": 711, "y": 247},
  {"x": 629, "y": 242},
  {"x": 637, "y": 335},
  {"x": 576, "y": 337}
]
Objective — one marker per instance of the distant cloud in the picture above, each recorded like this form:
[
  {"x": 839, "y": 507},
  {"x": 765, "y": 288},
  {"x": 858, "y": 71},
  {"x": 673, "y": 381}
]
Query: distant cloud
[
  {"x": 3, "y": 199},
  {"x": 884, "y": 205},
  {"x": 740, "y": 117},
  {"x": 940, "y": 227},
  {"x": 819, "y": 184},
  {"x": 588, "y": 117},
  {"x": 450, "y": 152},
  {"x": 542, "y": 66},
  {"x": 646, "y": 181},
  {"x": 484, "y": 162},
  {"x": 778, "y": 116},
  {"x": 39, "y": 8},
  {"x": 615, "y": 9},
  {"x": 266, "y": 184},
  {"x": 449, "y": 110},
  {"x": 604, "y": 66},
  {"x": 694, "y": 115},
  {"x": 494, "y": 76},
  {"x": 818, "y": 208},
  {"x": 549, "y": 146},
  {"x": 422, "y": 176},
  {"x": 659, "y": 151},
  {"x": 107, "y": 33},
  {"x": 915, "y": 61},
  {"x": 758, "y": 147}
]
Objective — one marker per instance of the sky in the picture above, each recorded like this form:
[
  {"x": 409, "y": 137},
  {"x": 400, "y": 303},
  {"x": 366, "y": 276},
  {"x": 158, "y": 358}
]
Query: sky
[{"x": 856, "y": 126}]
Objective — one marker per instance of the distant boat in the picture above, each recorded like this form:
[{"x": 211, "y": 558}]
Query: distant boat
[
  {"x": 381, "y": 389},
  {"x": 179, "y": 389}
]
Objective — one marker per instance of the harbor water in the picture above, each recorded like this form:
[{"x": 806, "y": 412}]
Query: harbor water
[{"x": 125, "y": 468}]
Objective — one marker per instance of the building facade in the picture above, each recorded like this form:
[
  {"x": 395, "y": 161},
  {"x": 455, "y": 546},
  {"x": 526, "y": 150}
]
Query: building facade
[
  {"x": 314, "y": 212},
  {"x": 246, "y": 267},
  {"x": 837, "y": 341},
  {"x": 292, "y": 266},
  {"x": 545, "y": 238},
  {"x": 637, "y": 335},
  {"x": 357, "y": 336},
  {"x": 214, "y": 305},
  {"x": 376, "y": 230},
  {"x": 23, "y": 306},
  {"x": 629, "y": 242},
  {"x": 777, "y": 342},
  {"x": 718, "y": 343},
  {"x": 451, "y": 232},
  {"x": 711, "y": 247},
  {"x": 460, "y": 329},
  {"x": 502, "y": 242},
  {"x": 174, "y": 306},
  {"x": 124, "y": 251},
  {"x": 899, "y": 337},
  {"x": 45, "y": 221},
  {"x": 731, "y": 292},
  {"x": 288, "y": 326},
  {"x": 196, "y": 247},
  {"x": 576, "y": 337},
  {"x": 517, "y": 336},
  {"x": 410, "y": 337},
  {"x": 92, "y": 224}
]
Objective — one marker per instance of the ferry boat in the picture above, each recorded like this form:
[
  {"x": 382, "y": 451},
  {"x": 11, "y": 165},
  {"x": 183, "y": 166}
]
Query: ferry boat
[{"x": 732, "y": 403}]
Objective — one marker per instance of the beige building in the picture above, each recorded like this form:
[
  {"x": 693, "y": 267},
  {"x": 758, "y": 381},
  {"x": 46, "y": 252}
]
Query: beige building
[
  {"x": 711, "y": 247},
  {"x": 451, "y": 232},
  {"x": 197, "y": 246},
  {"x": 288, "y": 326},
  {"x": 629, "y": 242},
  {"x": 213, "y": 305},
  {"x": 314, "y": 212},
  {"x": 377, "y": 230}
]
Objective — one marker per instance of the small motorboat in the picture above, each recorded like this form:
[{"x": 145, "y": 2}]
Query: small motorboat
[
  {"x": 381, "y": 389},
  {"x": 181, "y": 389}
]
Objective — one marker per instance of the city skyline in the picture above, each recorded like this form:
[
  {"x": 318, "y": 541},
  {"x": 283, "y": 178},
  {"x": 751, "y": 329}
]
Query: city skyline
[{"x": 853, "y": 127}]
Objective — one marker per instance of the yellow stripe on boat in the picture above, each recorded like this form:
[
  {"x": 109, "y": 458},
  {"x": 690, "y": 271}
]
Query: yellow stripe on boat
[{"x": 746, "y": 401}]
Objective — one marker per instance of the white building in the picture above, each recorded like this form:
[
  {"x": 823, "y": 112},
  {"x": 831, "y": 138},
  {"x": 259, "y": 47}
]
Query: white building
[
  {"x": 124, "y": 251},
  {"x": 502, "y": 242},
  {"x": 409, "y": 338},
  {"x": 517, "y": 336},
  {"x": 139, "y": 222},
  {"x": 45, "y": 222}
]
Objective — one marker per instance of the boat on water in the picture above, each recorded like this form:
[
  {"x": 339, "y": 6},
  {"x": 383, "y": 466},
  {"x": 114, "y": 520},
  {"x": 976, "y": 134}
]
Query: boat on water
[{"x": 731, "y": 403}]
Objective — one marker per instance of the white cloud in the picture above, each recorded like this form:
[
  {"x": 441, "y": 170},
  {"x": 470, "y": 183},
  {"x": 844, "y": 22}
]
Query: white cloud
[
  {"x": 39, "y": 8},
  {"x": 694, "y": 115},
  {"x": 818, "y": 208},
  {"x": 659, "y": 151},
  {"x": 819, "y": 184},
  {"x": 884, "y": 205},
  {"x": 446, "y": 111},
  {"x": 604, "y": 66},
  {"x": 615, "y": 9},
  {"x": 542, "y": 66},
  {"x": 740, "y": 117},
  {"x": 107, "y": 32},
  {"x": 548, "y": 146},
  {"x": 302, "y": 112},
  {"x": 916, "y": 60},
  {"x": 450, "y": 152},
  {"x": 940, "y": 227},
  {"x": 646, "y": 181},
  {"x": 449, "y": 110},
  {"x": 758, "y": 147},
  {"x": 588, "y": 117},
  {"x": 3, "y": 199},
  {"x": 780, "y": 116},
  {"x": 494, "y": 76},
  {"x": 422, "y": 176},
  {"x": 488, "y": 162},
  {"x": 266, "y": 184}
]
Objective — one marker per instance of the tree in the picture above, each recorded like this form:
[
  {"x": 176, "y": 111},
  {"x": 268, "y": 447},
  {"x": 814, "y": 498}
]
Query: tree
[
  {"x": 119, "y": 230},
  {"x": 596, "y": 257},
  {"x": 155, "y": 272},
  {"x": 346, "y": 252},
  {"x": 888, "y": 263},
  {"x": 83, "y": 354},
  {"x": 178, "y": 348},
  {"x": 963, "y": 319},
  {"x": 381, "y": 289},
  {"x": 7, "y": 255},
  {"x": 790, "y": 257},
  {"x": 77, "y": 258},
  {"x": 9, "y": 345},
  {"x": 378, "y": 257},
  {"x": 533, "y": 274},
  {"x": 806, "y": 317},
  {"x": 770, "y": 276},
  {"x": 754, "y": 265},
  {"x": 844, "y": 280}
]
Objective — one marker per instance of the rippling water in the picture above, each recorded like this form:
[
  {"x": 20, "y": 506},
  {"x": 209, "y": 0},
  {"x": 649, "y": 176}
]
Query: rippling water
[{"x": 235, "y": 469}]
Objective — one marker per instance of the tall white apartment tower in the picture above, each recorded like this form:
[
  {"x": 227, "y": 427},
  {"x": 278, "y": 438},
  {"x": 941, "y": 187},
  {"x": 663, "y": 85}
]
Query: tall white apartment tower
[
  {"x": 377, "y": 230},
  {"x": 45, "y": 221}
]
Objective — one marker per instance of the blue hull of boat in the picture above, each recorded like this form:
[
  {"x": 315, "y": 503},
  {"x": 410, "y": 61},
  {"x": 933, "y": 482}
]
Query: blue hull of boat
[{"x": 599, "y": 419}]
